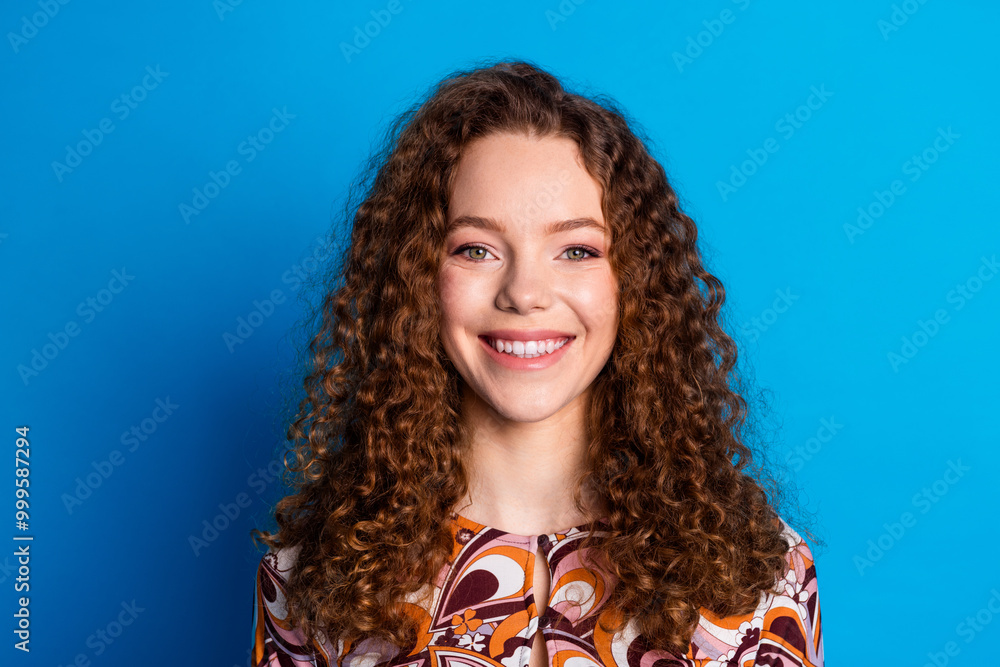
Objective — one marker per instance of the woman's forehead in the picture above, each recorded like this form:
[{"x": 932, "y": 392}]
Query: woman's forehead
[{"x": 512, "y": 177}]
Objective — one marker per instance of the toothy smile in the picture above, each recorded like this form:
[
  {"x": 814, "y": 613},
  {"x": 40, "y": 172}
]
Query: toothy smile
[{"x": 526, "y": 349}]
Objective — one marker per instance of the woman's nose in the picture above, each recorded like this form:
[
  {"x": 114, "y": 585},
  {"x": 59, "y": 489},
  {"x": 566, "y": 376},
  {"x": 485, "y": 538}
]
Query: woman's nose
[{"x": 525, "y": 285}]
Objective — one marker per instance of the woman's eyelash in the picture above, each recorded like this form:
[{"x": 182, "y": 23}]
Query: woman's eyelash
[{"x": 594, "y": 253}]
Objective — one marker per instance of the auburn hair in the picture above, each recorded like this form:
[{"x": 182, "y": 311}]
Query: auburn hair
[{"x": 377, "y": 441}]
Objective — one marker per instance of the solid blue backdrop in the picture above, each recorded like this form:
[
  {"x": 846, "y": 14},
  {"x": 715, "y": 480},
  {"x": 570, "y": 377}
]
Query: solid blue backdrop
[{"x": 169, "y": 170}]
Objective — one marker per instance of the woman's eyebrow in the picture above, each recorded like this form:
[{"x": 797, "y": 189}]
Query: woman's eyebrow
[{"x": 494, "y": 225}]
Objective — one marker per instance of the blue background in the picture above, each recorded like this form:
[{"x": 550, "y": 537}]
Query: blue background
[{"x": 819, "y": 310}]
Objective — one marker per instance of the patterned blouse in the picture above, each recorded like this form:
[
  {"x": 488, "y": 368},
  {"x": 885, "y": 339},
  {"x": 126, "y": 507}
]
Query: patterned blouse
[{"x": 483, "y": 614}]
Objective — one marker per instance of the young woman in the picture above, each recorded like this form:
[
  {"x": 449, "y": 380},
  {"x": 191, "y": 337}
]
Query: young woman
[{"x": 521, "y": 444}]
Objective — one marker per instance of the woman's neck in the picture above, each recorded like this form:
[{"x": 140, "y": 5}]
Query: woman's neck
[{"x": 523, "y": 476}]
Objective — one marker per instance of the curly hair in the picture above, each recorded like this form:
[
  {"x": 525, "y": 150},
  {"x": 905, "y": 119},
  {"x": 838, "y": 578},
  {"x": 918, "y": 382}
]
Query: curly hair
[{"x": 378, "y": 441}]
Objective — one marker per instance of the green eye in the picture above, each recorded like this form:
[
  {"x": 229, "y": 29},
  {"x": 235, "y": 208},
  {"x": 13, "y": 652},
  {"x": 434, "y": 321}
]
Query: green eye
[
  {"x": 583, "y": 252},
  {"x": 473, "y": 248}
]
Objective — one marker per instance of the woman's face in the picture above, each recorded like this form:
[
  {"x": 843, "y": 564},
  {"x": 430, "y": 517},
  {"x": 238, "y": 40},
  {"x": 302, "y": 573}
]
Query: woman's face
[{"x": 526, "y": 260}]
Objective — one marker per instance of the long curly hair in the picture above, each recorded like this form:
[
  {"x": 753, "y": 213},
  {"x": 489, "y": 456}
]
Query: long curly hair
[{"x": 377, "y": 442}]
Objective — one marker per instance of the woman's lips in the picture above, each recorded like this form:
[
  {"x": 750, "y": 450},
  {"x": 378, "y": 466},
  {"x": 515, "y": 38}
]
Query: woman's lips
[{"x": 518, "y": 363}]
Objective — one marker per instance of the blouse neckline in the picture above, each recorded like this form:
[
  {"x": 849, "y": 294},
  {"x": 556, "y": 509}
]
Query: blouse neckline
[{"x": 554, "y": 538}]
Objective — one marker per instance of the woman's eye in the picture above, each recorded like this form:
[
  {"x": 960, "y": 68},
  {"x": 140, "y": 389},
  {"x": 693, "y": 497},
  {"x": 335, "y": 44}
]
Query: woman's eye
[
  {"x": 479, "y": 253},
  {"x": 580, "y": 250},
  {"x": 476, "y": 252}
]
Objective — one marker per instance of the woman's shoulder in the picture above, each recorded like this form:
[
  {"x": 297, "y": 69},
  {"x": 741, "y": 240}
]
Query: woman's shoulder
[
  {"x": 273, "y": 634},
  {"x": 278, "y": 563},
  {"x": 802, "y": 566},
  {"x": 784, "y": 628}
]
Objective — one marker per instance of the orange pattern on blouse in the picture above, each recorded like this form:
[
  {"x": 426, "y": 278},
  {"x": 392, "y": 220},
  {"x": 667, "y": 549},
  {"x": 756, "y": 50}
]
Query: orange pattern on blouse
[{"x": 482, "y": 614}]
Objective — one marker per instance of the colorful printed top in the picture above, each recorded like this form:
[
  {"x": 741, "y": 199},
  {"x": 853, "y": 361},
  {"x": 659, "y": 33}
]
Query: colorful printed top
[{"x": 483, "y": 614}]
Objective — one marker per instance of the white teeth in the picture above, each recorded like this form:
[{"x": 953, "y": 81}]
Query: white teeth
[{"x": 528, "y": 349}]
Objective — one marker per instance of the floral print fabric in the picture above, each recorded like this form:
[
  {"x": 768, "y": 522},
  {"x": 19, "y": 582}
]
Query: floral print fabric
[{"x": 482, "y": 614}]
